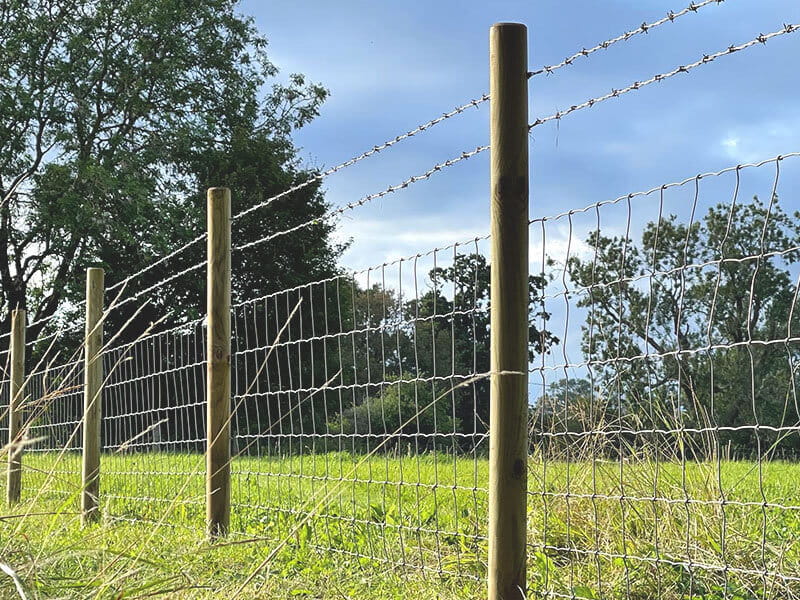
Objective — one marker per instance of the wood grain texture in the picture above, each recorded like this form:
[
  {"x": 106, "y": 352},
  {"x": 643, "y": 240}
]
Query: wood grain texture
[
  {"x": 17, "y": 397},
  {"x": 508, "y": 441},
  {"x": 92, "y": 395},
  {"x": 218, "y": 353}
]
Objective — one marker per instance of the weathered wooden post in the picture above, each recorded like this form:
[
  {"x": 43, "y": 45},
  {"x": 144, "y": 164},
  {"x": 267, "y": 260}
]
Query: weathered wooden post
[
  {"x": 218, "y": 357},
  {"x": 16, "y": 397},
  {"x": 508, "y": 441},
  {"x": 92, "y": 394}
]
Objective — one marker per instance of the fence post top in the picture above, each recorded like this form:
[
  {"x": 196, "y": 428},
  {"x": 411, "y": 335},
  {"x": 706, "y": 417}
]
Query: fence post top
[
  {"x": 510, "y": 25},
  {"x": 92, "y": 270}
]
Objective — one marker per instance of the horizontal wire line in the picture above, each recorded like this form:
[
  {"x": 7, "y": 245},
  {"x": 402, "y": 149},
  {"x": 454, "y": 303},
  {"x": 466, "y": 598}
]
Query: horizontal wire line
[
  {"x": 377, "y": 482},
  {"x": 351, "y": 274},
  {"x": 657, "y": 499},
  {"x": 117, "y": 383},
  {"x": 708, "y": 58},
  {"x": 690, "y": 564},
  {"x": 235, "y": 472},
  {"x": 380, "y": 328},
  {"x": 369, "y": 434},
  {"x": 666, "y": 186},
  {"x": 359, "y": 386},
  {"x": 174, "y": 331},
  {"x": 369, "y": 198},
  {"x": 614, "y": 431},
  {"x": 670, "y": 354},
  {"x": 719, "y": 262},
  {"x": 141, "y": 413}
]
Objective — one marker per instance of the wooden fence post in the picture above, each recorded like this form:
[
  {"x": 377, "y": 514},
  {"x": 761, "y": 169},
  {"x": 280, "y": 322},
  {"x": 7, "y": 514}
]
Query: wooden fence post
[
  {"x": 508, "y": 440},
  {"x": 92, "y": 395},
  {"x": 218, "y": 357},
  {"x": 16, "y": 397}
]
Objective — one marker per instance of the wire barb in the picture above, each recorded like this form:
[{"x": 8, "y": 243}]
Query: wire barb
[
  {"x": 643, "y": 28},
  {"x": 636, "y": 85}
]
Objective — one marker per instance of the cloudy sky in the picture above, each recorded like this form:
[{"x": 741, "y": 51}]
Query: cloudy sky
[{"x": 391, "y": 66}]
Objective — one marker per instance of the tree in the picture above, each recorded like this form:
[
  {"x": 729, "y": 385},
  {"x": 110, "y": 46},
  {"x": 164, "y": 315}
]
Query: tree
[
  {"x": 447, "y": 333},
  {"x": 114, "y": 115},
  {"x": 395, "y": 416},
  {"x": 681, "y": 310}
]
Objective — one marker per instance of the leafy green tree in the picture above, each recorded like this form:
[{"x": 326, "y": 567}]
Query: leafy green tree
[
  {"x": 671, "y": 320},
  {"x": 447, "y": 333},
  {"x": 394, "y": 416},
  {"x": 114, "y": 116}
]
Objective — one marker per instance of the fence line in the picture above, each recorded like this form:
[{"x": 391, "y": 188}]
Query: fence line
[{"x": 360, "y": 401}]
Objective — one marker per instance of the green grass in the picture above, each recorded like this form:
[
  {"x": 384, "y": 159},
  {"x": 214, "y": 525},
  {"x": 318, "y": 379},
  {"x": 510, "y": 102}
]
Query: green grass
[{"x": 403, "y": 526}]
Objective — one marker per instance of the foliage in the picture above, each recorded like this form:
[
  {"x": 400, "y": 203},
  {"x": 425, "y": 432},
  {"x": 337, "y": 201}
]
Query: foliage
[
  {"x": 114, "y": 116},
  {"x": 394, "y": 416},
  {"x": 744, "y": 294}
]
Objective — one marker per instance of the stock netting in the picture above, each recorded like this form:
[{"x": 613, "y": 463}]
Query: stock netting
[
  {"x": 53, "y": 409},
  {"x": 662, "y": 393},
  {"x": 679, "y": 345},
  {"x": 357, "y": 404}
]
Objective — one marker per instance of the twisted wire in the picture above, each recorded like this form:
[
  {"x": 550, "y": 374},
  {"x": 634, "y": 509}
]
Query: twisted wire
[
  {"x": 636, "y": 85},
  {"x": 643, "y": 28}
]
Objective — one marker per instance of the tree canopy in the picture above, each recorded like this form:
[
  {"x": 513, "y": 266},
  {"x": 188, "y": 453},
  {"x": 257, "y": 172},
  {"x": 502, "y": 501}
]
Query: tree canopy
[
  {"x": 114, "y": 117},
  {"x": 693, "y": 325}
]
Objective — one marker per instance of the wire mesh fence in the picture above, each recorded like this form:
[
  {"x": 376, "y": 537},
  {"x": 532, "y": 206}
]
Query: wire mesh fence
[
  {"x": 362, "y": 404},
  {"x": 658, "y": 449},
  {"x": 663, "y": 414}
]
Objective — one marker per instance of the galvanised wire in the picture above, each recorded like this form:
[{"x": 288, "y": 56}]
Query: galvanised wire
[
  {"x": 595, "y": 457},
  {"x": 637, "y": 85},
  {"x": 643, "y": 28}
]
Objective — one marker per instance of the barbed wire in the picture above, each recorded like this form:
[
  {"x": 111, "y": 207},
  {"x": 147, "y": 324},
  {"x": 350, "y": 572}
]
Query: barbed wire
[
  {"x": 374, "y": 150},
  {"x": 318, "y": 177},
  {"x": 153, "y": 265},
  {"x": 643, "y": 28},
  {"x": 369, "y": 198},
  {"x": 636, "y": 85}
]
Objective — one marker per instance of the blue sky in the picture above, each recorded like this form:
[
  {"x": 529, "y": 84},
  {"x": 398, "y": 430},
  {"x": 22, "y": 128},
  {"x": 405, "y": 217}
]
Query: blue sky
[{"x": 392, "y": 66}]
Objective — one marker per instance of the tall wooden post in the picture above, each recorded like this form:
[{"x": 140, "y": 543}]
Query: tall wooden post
[
  {"x": 92, "y": 395},
  {"x": 218, "y": 357},
  {"x": 16, "y": 398},
  {"x": 508, "y": 440}
]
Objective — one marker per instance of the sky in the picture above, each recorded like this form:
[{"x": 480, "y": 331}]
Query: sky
[{"x": 392, "y": 66}]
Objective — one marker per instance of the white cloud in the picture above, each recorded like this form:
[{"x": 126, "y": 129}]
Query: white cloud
[{"x": 760, "y": 140}]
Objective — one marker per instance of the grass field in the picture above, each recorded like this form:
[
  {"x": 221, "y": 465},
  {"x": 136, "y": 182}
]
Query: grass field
[{"x": 404, "y": 526}]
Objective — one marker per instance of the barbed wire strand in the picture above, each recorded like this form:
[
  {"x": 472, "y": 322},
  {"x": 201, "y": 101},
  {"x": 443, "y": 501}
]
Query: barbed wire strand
[
  {"x": 636, "y": 85},
  {"x": 316, "y": 178},
  {"x": 643, "y": 28}
]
